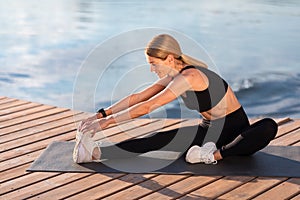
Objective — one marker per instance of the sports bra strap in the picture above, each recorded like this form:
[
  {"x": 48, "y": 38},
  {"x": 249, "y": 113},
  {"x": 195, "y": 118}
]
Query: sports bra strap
[{"x": 187, "y": 67}]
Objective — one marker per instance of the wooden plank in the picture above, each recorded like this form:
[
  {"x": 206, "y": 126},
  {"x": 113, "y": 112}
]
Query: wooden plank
[
  {"x": 23, "y": 122},
  {"x": 13, "y": 173},
  {"x": 218, "y": 188},
  {"x": 39, "y": 125},
  {"x": 34, "y": 114},
  {"x": 289, "y": 138},
  {"x": 284, "y": 190},
  {"x": 151, "y": 128},
  {"x": 140, "y": 131},
  {"x": 19, "y": 142},
  {"x": 143, "y": 189},
  {"x": 33, "y": 109},
  {"x": 121, "y": 128},
  {"x": 44, "y": 184},
  {"x": 109, "y": 188},
  {"x": 252, "y": 188},
  {"x": 297, "y": 197},
  {"x": 288, "y": 127},
  {"x": 7, "y": 101},
  {"x": 18, "y": 161},
  {"x": 296, "y": 144},
  {"x": 139, "y": 126},
  {"x": 257, "y": 185},
  {"x": 32, "y": 153},
  {"x": 14, "y": 110},
  {"x": 66, "y": 132},
  {"x": 60, "y": 188},
  {"x": 279, "y": 121},
  {"x": 181, "y": 188},
  {"x": 13, "y": 104},
  {"x": 29, "y": 179}
]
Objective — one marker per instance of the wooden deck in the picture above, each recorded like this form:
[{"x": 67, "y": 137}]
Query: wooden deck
[{"x": 27, "y": 128}]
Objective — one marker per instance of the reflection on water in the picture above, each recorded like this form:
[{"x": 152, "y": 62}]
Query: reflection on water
[{"x": 43, "y": 45}]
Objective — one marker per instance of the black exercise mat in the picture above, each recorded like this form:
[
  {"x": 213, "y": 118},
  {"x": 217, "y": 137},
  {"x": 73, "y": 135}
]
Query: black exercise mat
[{"x": 275, "y": 161}]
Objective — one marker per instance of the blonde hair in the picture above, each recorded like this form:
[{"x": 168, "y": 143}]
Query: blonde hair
[{"x": 163, "y": 45}]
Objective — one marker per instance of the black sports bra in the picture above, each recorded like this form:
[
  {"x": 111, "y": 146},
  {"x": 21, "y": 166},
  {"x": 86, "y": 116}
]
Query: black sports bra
[{"x": 208, "y": 98}]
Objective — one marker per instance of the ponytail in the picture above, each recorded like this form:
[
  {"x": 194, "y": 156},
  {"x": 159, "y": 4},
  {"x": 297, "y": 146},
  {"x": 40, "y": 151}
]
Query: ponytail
[{"x": 192, "y": 61}]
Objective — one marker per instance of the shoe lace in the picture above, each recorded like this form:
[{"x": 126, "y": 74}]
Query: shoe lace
[{"x": 208, "y": 157}]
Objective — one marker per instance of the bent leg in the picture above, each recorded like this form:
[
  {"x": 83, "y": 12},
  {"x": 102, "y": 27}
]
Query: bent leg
[{"x": 253, "y": 139}]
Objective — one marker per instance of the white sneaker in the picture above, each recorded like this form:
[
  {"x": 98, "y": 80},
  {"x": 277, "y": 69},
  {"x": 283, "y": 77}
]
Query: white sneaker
[
  {"x": 204, "y": 154},
  {"x": 84, "y": 147}
]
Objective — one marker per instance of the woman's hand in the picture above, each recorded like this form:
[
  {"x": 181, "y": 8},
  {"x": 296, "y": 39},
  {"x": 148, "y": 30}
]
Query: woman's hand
[
  {"x": 94, "y": 126},
  {"x": 87, "y": 122}
]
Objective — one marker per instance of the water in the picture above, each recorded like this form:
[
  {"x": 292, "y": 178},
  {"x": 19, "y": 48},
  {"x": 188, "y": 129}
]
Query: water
[{"x": 254, "y": 45}]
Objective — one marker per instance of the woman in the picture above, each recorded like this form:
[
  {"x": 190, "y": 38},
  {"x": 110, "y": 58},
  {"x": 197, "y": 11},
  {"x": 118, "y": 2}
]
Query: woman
[{"x": 201, "y": 90}]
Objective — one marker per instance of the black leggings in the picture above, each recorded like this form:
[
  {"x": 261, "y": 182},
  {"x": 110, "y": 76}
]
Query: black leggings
[{"x": 232, "y": 134}]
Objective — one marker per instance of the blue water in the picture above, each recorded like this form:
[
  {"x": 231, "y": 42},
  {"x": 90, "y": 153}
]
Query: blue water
[{"x": 254, "y": 45}]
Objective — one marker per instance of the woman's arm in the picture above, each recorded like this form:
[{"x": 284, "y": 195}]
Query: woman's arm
[
  {"x": 136, "y": 98},
  {"x": 179, "y": 85},
  {"x": 128, "y": 101}
]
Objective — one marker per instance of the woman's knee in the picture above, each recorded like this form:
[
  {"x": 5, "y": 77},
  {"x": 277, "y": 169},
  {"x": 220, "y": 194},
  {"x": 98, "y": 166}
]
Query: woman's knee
[
  {"x": 271, "y": 127},
  {"x": 266, "y": 128}
]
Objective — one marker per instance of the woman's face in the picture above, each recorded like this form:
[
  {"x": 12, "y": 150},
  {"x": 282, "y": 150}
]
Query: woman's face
[{"x": 161, "y": 67}]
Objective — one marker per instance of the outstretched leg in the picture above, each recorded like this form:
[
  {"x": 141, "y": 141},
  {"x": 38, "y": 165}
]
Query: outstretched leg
[{"x": 173, "y": 140}]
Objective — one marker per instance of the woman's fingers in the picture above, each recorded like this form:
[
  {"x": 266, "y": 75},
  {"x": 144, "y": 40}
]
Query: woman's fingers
[
  {"x": 86, "y": 122},
  {"x": 81, "y": 124},
  {"x": 92, "y": 128}
]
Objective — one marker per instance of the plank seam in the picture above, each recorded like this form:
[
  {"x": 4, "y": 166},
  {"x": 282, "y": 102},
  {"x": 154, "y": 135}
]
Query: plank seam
[
  {"x": 294, "y": 195},
  {"x": 197, "y": 188},
  {"x": 35, "y": 182},
  {"x": 133, "y": 184},
  {"x": 8, "y": 101},
  {"x": 37, "y": 112},
  {"x": 165, "y": 186},
  {"x": 15, "y": 106},
  {"x": 120, "y": 132},
  {"x": 243, "y": 183},
  {"x": 270, "y": 187},
  {"x": 3, "y": 181},
  {"x": 91, "y": 187},
  {"x": 40, "y": 131},
  {"x": 45, "y": 138},
  {"x": 144, "y": 134},
  {"x": 58, "y": 186},
  {"x": 26, "y": 121}
]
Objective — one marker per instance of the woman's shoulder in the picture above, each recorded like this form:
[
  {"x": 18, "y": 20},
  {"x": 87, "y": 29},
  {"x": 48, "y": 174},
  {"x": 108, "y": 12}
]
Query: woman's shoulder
[{"x": 195, "y": 77}]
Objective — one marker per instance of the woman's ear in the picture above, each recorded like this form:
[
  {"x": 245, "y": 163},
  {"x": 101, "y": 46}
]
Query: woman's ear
[{"x": 170, "y": 59}]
